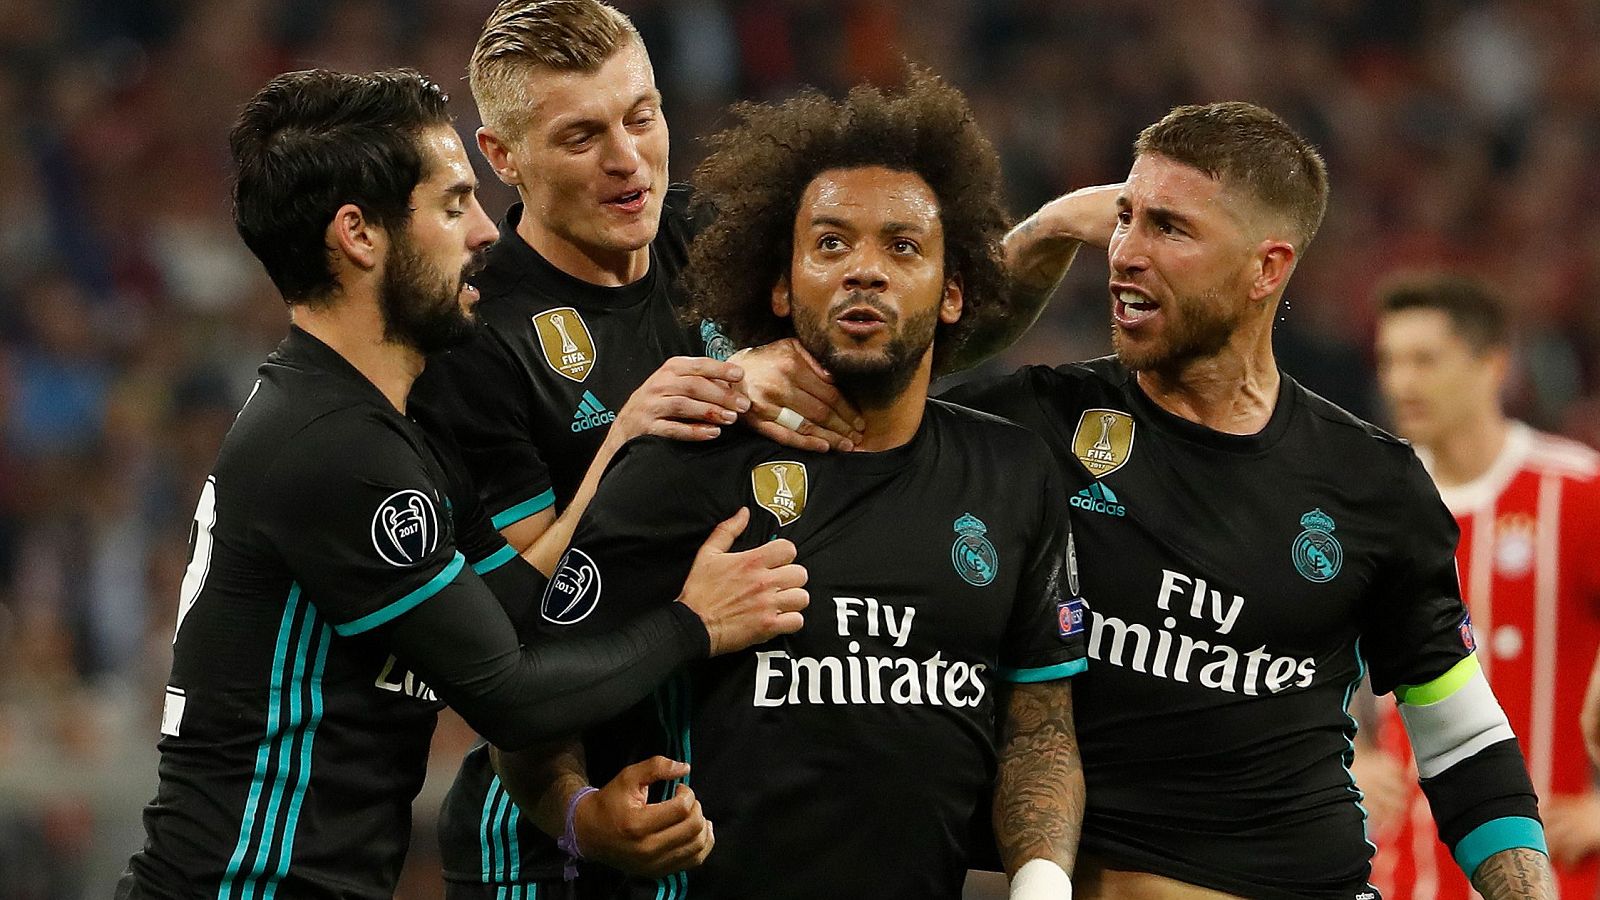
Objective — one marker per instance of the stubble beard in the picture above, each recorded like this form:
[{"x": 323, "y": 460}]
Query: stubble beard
[
  {"x": 869, "y": 380},
  {"x": 1201, "y": 330}
]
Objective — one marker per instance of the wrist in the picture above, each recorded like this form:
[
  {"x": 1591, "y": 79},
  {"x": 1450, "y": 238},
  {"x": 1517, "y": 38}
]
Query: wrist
[
  {"x": 1041, "y": 879},
  {"x": 578, "y": 827}
]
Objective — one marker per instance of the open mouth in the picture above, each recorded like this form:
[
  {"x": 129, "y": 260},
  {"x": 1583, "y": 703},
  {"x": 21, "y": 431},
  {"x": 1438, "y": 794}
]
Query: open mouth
[
  {"x": 630, "y": 201},
  {"x": 1133, "y": 308},
  {"x": 861, "y": 321}
]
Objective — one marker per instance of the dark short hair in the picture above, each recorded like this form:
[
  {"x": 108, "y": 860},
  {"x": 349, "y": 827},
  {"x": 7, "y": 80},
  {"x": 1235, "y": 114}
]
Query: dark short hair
[
  {"x": 1475, "y": 312},
  {"x": 1247, "y": 145},
  {"x": 310, "y": 142},
  {"x": 751, "y": 184}
]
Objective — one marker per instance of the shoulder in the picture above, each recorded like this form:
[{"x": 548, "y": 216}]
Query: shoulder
[
  {"x": 1564, "y": 457},
  {"x": 1347, "y": 431},
  {"x": 353, "y": 441},
  {"x": 1036, "y": 395}
]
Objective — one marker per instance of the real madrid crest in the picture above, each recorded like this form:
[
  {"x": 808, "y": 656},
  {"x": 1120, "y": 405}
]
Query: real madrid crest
[
  {"x": 972, "y": 554},
  {"x": 1317, "y": 554},
  {"x": 780, "y": 488},
  {"x": 1103, "y": 441},
  {"x": 565, "y": 340}
]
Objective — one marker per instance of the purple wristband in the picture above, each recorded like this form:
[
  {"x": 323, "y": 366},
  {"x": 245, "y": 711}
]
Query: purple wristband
[{"x": 568, "y": 842}]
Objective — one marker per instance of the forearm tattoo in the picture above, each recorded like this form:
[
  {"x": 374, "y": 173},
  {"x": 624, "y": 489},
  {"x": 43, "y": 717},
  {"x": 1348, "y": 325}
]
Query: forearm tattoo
[
  {"x": 1514, "y": 875},
  {"x": 1038, "y": 805}
]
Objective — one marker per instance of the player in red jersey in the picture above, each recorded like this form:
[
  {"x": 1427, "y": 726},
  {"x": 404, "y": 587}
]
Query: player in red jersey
[{"x": 1528, "y": 504}]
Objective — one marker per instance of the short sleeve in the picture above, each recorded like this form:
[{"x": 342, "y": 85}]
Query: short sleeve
[
  {"x": 480, "y": 399},
  {"x": 636, "y": 541},
  {"x": 360, "y": 522},
  {"x": 1416, "y": 627},
  {"x": 1044, "y": 638}
]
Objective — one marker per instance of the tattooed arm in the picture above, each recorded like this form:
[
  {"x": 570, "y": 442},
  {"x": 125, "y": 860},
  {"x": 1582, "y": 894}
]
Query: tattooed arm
[
  {"x": 1038, "y": 801},
  {"x": 1515, "y": 875},
  {"x": 1038, "y": 253}
]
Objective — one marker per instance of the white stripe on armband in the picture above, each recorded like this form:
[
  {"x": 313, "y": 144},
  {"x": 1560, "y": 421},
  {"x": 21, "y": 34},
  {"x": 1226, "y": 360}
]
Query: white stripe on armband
[
  {"x": 1041, "y": 879},
  {"x": 1447, "y": 729}
]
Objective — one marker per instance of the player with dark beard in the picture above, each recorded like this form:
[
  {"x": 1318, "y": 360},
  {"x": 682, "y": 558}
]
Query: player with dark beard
[
  {"x": 344, "y": 583},
  {"x": 1250, "y": 553},
  {"x": 870, "y": 229}
]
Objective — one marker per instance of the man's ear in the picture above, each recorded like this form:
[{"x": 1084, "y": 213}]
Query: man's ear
[
  {"x": 781, "y": 305},
  {"x": 502, "y": 158},
  {"x": 1274, "y": 264},
  {"x": 352, "y": 235},
  {"x": 952, "y": 303}
]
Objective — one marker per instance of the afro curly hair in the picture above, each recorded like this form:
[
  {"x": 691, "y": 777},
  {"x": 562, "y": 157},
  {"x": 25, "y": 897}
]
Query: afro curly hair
[{"x": 748, "y": 190}]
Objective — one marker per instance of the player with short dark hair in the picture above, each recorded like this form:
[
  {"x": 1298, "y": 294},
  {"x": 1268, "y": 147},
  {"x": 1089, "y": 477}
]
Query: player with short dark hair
[
  {"x": 1528, "y": 506},
  {"x": 344, "y": 583},
  {"x": 943, "y": 562},
  {"x": 1250, "y": 552}
]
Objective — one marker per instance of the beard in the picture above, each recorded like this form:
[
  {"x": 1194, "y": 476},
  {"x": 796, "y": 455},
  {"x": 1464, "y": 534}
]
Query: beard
[
  {"x": 868, "y": 379},
  {"x": 1200, "y": 330},
  {"x": 421, "y": 306}
]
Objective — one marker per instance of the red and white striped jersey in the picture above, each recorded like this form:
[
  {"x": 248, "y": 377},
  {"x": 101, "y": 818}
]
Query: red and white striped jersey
[{"x": 1529, "y": 559}]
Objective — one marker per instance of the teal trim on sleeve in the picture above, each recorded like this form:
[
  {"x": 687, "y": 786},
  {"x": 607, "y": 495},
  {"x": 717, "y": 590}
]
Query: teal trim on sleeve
[
  {"x": 1047, "y": 673},
  {"x": 531, "y": 506},
  {"x": 494, "y": 560},
  {"x": 407, "y": 603},
  {"x": 1495, "y": 835}
]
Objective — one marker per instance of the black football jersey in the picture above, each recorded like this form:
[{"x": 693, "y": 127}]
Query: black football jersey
[
  {"x": 293, "y": 742},
  {"x": 532, "y": 397},
  {"x": 1239, "y": 588},
  {"x": 529, "y": 401},
  {"x": 853, "y": 756}
]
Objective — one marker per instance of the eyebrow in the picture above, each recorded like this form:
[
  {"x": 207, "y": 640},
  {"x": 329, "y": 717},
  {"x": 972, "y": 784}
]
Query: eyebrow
[
  {"x": 651, "y": 97},
  {"x": 888, "y": 227}
]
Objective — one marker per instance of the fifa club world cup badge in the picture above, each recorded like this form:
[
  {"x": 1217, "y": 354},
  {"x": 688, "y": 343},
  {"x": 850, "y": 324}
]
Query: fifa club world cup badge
[
  {"x": 1317, "y": 553},
  {"x": 1103, "y": 441},
  {"x": 565, "y": 340},
  {"x": 972, "y": 554},
  {"x": 780, "y": 488}
]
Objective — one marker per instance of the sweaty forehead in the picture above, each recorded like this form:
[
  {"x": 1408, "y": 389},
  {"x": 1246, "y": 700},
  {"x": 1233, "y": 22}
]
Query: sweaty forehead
[
  {"x": 445, "y": 159},
  {"x": 872, "y": 195}
]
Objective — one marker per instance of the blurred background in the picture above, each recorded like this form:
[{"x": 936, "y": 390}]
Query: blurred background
[{"x": 132, "y": 318}]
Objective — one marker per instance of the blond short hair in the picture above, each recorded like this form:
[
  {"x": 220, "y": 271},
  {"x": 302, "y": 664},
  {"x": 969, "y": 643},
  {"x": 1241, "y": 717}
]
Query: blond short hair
[{"x": 522, "y": 36}]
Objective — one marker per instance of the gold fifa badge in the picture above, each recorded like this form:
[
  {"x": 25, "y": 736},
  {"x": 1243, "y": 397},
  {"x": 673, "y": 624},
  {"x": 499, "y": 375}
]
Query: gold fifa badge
[
  {"x": 1104, "y": 441},
  {"x": 567, "y": 346},
  {"x": 780, "y": 488}
]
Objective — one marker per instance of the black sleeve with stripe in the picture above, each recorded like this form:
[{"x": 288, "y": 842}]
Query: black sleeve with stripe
[{"x": 465, "y": 648}]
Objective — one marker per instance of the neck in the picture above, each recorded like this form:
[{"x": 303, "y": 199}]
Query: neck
[
  {"x": 1233, "y": 391},
  {"x": 355, "y": 332},
  {"x": 1463, "y": 455},
  {"x": 894, "y": 424},
  {"x": 597, "y": 266}
]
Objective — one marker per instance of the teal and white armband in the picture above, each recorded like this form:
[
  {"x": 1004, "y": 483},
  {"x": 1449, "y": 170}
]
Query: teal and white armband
[{"x": 1471, "y": 769}]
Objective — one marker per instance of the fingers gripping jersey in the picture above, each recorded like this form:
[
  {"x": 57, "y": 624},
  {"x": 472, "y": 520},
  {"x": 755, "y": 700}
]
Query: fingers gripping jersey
[
  {"x": 293, "y": 742},
  {"x": 935, "y": 576},
  {"x": 1239, "y": 587}
]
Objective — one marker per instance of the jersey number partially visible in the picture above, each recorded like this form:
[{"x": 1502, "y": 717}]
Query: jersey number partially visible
[{"x": 194, "y": 577}]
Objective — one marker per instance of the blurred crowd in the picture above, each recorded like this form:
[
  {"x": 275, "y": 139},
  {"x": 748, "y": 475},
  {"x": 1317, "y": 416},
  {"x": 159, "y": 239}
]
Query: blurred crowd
[{"x": 1457, "y": 133}]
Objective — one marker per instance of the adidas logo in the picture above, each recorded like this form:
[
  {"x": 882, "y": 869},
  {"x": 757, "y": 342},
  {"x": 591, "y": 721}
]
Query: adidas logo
[
  {"x": 591, "y": 414},
  {"x": 1099, "y": 498}
]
